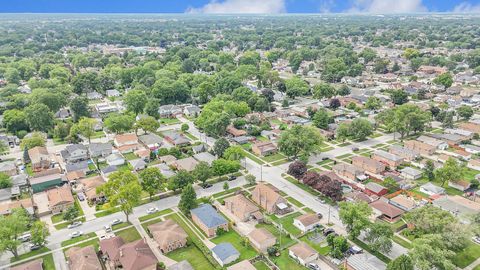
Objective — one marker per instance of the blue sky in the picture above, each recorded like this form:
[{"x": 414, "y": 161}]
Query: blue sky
[{"x": 238, "y": 6}]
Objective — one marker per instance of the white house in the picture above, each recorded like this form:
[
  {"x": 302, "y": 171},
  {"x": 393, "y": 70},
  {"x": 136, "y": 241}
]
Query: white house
[
  {"x": 303, "y": 253},
  {"x": 431, "y": 189},
  {"x": 306, "y": 222},
  {"x": 410, "y": 173}
]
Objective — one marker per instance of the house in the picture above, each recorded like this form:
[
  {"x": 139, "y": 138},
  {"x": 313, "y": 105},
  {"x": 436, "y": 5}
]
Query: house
[
  {"x": 169, "y": 111},
  {"x": 474, "y": 164},
  {"x": 457, "y": 205},
  {"x": 6, "y": 194},
  {"x": 235, "y": 132},
  {"x": 461, "y": 185},
  {"x": 242, "y": 208},
  {"x": 261, "y": 239},
  {"x": 241, "y": 139},
  {"x": 269, "y": 199},
  {"x": 78, "y": 166},
  {"x": 364, "y": 261},
  {"x": 225, "y": 253},
  {"x": 143, "y": 153},
  {"x": 94, "y": 95},
  {"x": 405, "y": 153},
  {"x": 175, "y": 138},
  {"x": 168, "y": 235},
  {"x": 348, "y": 171},
  {"x": 403, "y": 202},
  {"x": 126, "y": 143},
  {"x": 191, "y": 110},
  {"x": 188, "y": 164},
  {"x": 151, "y": 141},
  {"x": 74, "y": 153},
  {"x": 137, "y": 164},
  {"x": 107, "y": 107},
  {"x": 112, "y": 93},
  {"x": 45, "y": 182},
  {"x": 115, "y": 160},
  {"x": 200, "y": 148},
  {"x": 384, "y": 210},
  {"x": 63, "y": 113},
  {"x": 89, "y": 187},
  {"x": 306, "y": 222},
  {"x": 470, "y": 126},
  {"x": 243, "y": 265},
  {"x": 420, "y": 147},
  {"x": 410, "y": 173},
  {"x": 205, "y": 156},
  {"x": 372, "y": 188},
  {"x": 73, "y": 176},
  {"x": 472, "y": 149},
  {"x": 135, "y": 255},
  {"x": 387, "y": 158},
  {"x": 39, "y": 158},
  {"x": 84, "y": 258},
  {"x": 60, "y": 198},
  {"x": 303, "y": 253},
  {"x": 8, "y": 168},
  {"x": 264, "y": 148},
  {"x": 168, "y": 159},
  {"x": 207, "y": 218},
  {"x": 431, "y": 189},
  {"x": 31, "y": 265},
  {"x": 164, "y": 169},
  {"x": 368, "y": 164},
  {"x": 108, "y": 170},
  {"x": 99, "y": 150}
]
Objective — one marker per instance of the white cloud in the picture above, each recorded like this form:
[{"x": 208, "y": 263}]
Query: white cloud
[
  {"x": 387, "y": 6},
  {"x": 241, "y": 6},
  {"x": 465, "y": 7}
]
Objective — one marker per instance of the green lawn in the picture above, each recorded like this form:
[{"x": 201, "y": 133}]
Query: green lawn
[
  {"x": 285, "y": 262},
  {"x": 190, "y": 136},
  {"x": 65, "y": 224},
  {"x": 280, "y": 162},
  {"x": 29, "y": 254},
  {"x": 129, "y": 235},
  {"x": 295, "y": 202},
  {"x": 157, "y": 214},
  {"x": 254, "y": 158},
  {"x": 286, "y": 241},
  {"x": 321, "y": 247},
  {"x": 402, "y": 242},
  {"x": 259, "y": 265},
  {"x": 193, "y": 255},
  {"x": 274, "y": 157},
  {"x": 377, "y": 254},
  {"x": 108, "y": 211},
  {"x": 121, "y": 225},
  {"x": 287, "y": 223},
  {"x": 130, "y": 156},
  {"x": 467, "y": 255},
  {"x": 168, "y": 121},
  {"x": 232, "y": 237},
  {"x": 78, "y": 239}
]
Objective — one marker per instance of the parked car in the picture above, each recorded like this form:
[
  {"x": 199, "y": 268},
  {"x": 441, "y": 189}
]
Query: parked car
[
  {"x": 319, "y": 215},
  {"x": 354, "y": 250},
  {"x": 232, "y": 177},
  {"x": 107, "y": 228},
  {"x": 355, "y": 149},
  {"x": 81, "y": 196},
  {"x": 34, "y": 246},
  {"x": 476, "y": 239},
  {"x": 313, "y": 266},
  {"x": 76, "y": 234},
  {"x": 25, "y": 237},
  {"x": 152, "y": 210},
  {"x": 115, "y": 222},
  {"x": 328, "y": 231},
  {"x": 206, "y": 185},
  {"x": 74, "y": 224}
]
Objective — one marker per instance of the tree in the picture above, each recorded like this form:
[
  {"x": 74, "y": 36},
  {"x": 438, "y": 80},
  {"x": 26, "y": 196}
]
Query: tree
[
  {"x": 79, "y": 108},
  {"x": 391, "y": 184},
  {"x": 185, "y": 127},
  {"x": 11, "y": 227},
  {"x": 429, "y": 220},
  {"x": 373, "y": 103},
  {"x": 251, "y": 179},
  {"x": 220, "y": 146},
  {"x": 234, "y": 152},
  {"x": 465, "y": 112},
  {"x": 403, "y": 262},
  {"x": 15, "y": 120},
  {"x": 355, "y": 216},
  {"x": 428, "y": 252},
  {"x": 36, "y": 139},
  {"x": 147, "y": 124},
  {"x": 411, "y": 53},
  {"x": 202, "y": 172},
  {"x": 323, "y": 90},
  {"x": 444, "y": 79},
  {"x": 451, "y": 171},
  {"x": 180, "y": 180},
  {"x": 188, "y": 200},
  {"x": 342, "y": 132},
  {"x": 5, "y": 181},
  {"x": 381, "y": 66},
  {"x": 135, "y": 101},
  {"x": 151, "y": 107},
  {"x": 85, "y": 127},
  {"x": 334, "y": 103},
  {"x": 39, "y": 232},
  {"x": 222, "y": 166},
  {"x": 296, "y": 87},
  {"x": 344, "y": 90},
  {"x": 122, "y": 190},
  {"x": 299, "y": 140},
  {"x": 226, "y": 186},
  {"x": 119, "y": 123},
  {"x": 379, "y": 237},
  {"x": 297, "y": 169},
  {"x": 321, "y": 119},
  {"x": 360, "y": 129},
  {"x": 399, "y": 97},
  {"x": 71, "y": 214},
  {"x": 429, "y": 170},
  {"x": 338, "y": 245},
  {"x": 39, "y": 117},
  {"x": 151, "y": 180},
  {"x": 404, "y": 119}
]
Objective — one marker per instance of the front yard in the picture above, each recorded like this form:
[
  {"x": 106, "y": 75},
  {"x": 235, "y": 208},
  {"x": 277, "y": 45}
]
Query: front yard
[
  {"x": 129, "y": 235},
  {"x": 467, "y": 256},
  {"x": 284, "y": 261}
]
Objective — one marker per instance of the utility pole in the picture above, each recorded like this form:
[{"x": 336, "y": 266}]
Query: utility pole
[
  {"x": 261, "y": 173},
  {"x": 328, "y": 214}
]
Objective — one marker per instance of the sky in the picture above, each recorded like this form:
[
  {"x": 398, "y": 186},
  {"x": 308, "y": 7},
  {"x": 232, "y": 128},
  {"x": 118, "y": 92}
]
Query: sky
[{"x": 238, "y": 6}]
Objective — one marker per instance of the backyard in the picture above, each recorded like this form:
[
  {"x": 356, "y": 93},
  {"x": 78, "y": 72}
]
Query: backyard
[{"x": 232, "y": 237}]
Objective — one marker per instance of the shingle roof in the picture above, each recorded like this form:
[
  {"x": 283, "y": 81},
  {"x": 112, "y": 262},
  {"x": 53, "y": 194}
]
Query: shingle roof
[
  {"x": 209, "y": 216},
  {"x": 224, "y": 251}
]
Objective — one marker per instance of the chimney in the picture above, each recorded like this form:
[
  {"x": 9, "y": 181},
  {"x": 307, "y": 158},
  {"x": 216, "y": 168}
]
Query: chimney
[{"x": 121, "y": 252}]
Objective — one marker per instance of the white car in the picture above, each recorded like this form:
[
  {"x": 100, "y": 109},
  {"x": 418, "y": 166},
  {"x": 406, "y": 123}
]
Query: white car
[
  {"x": 25, "y": 237},
  {"x": 116, "y": 221},
  {"x": 76, "y": 234},
  {"x": 476, "y": 239},
  {"x": 74, "y": 224},
  {"x": 152, "y": 210},
  {"x": 107, "y": 228}
]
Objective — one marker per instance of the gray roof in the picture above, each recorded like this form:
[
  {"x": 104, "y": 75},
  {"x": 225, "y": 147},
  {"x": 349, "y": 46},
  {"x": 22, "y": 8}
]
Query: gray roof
[
  {"x": 205, "y": 156},
  {"x": 5, "y": 194},
  {"x": 19, "y": 180},
  {"x": 387, "y": 155},
  {"x": 374, "y": 187},
  {"x": 98, "y": 147},
  {"x": 411, "y": 171},
  {"x": 78, "y": 166},
  {"x": 7, "y": 166},
  {"x": 137, "y": 163},
  {"x": 366, "y": 261},
  {"x": 224, "y": 251},
  {"x": 209, "y": 216},
  {"x": 150, "y": 138},
  {"x": 433, "y": 188},
  {"x": 74, "y": 147},
  {"x": 200, "y": 148},
  {"x": 112, "y": 92},
  {"x": 109, "y": 169}
]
